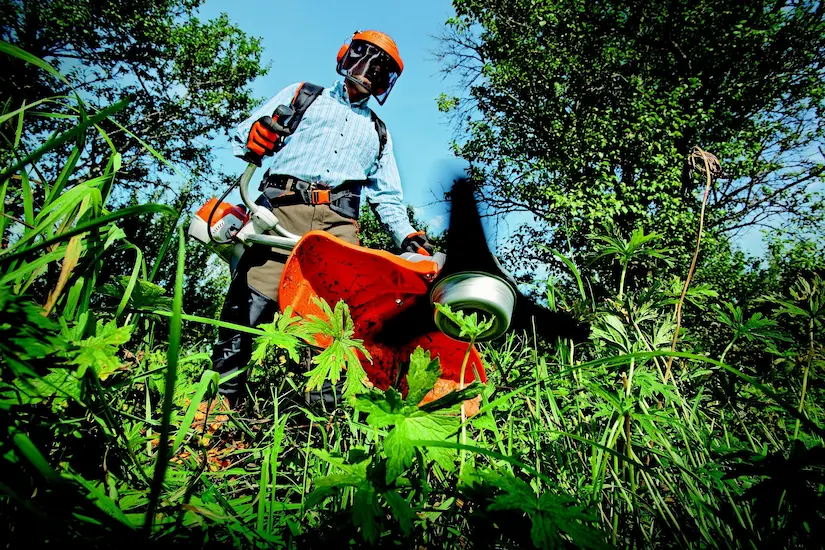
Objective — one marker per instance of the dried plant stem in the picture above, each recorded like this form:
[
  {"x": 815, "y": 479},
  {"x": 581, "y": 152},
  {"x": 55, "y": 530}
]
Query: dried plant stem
[
  {"x": 16, "y": 220},
  {"x": 707, "y": 158}
]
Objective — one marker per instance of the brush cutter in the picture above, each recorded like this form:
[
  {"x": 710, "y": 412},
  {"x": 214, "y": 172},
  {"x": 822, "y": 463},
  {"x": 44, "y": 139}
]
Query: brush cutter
[{"x": 391, "y": 298}]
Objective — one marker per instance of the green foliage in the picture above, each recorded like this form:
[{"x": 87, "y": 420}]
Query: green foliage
[
  {"x": 808, "y": 302},
  {"x": 112, "y": 428},
  {"x": 187, "y": 80},
  {"x": 373, "y": 234},
  {"x": 584, "y": 115},
  {"x": 422, "y": 376},
  {"x": 143, "y": 296},
  {"x": 448, "y": 103},
  {"x": 340, "y": 354},
  {"x": 382, "y": 477},
  {"x": 282, "y": 333},
  {"x": 794, "y": 490},
  {"x": 205, "y": 279},
  {"x": 411, "y": 423},
  {"x": 625, "y": 252},
  {"x": 755, "y": 329},
  {"x": 98, "y": 352},
  {"x": 554, "y": 519},
  {"x": 470, "y": 326},
  {"x": 25, "y": 332}
]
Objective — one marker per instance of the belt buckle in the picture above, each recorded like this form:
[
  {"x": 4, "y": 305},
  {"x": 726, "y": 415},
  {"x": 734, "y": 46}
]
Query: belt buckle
[{"x": 319, "y": 196}]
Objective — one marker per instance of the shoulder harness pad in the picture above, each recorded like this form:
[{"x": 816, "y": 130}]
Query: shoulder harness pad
[{"x": 304, "y": 96}]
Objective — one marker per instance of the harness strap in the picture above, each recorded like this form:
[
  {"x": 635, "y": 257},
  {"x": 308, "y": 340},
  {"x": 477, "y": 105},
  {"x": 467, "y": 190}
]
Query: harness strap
[
  {"x": 306, "y": 94},
  {"x": 381, "y": 130},
  {"x": 285, "y": 191}
]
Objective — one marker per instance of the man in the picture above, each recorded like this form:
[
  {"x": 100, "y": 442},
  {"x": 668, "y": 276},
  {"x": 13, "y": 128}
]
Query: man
[{"x": 338, "y": 151}]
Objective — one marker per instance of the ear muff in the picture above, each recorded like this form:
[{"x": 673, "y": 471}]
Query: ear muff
[
  {"x": 377, "y": 39},
  {"x": 342, "y": 52}
]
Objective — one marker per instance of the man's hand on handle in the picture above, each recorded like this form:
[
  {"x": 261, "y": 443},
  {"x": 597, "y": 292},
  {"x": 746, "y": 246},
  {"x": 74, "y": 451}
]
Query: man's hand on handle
[
  {"x": 263, "y": 139},
  {"x": 417, "y": 243}
]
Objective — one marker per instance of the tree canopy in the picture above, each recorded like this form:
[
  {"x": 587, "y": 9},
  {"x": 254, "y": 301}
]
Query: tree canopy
[
  {"x": 187, "y": 78},
  {"x": 584, "y": 113}
]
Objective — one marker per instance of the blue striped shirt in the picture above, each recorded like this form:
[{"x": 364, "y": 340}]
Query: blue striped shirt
[{"x": 336, "y": 141}]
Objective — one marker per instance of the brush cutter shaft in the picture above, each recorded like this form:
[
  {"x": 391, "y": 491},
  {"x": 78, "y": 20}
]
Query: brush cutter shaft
[
  {"x": 262, "y": 220},
  {"x": 438, "y": 258}
]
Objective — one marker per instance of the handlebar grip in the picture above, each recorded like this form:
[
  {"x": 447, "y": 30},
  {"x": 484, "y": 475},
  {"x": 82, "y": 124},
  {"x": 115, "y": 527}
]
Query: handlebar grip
[{"x": 283, "y": 115}]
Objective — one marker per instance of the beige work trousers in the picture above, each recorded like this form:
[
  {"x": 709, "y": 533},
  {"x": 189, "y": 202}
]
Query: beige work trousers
[
  {"x": 253, "y": 293},
  {"x": 264, "y": 272}
]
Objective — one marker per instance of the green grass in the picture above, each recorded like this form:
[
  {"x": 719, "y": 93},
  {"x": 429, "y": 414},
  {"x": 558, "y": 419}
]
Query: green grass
[{"x": 574, "y": 445}]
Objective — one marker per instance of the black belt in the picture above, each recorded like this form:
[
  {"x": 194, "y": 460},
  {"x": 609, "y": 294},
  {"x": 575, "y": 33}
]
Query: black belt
[{"x": 345, "y": 199}]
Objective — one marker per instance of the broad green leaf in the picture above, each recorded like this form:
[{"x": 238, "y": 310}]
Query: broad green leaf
[
  {"x": 420, "y": 426},
  {"x": 99, "y": 352},
  {"x": 340, "y": 355},
  {"x": 401, "y": 510},
  {"x": 382, "y": 408},
  {"x": 348, "y": 474},
  {"x": 144, "y": 295},
  {"x": 274, "y": 338},
  {"x": 365, "y": 509},
  {"x": 399, "y": 452},
  {"x": 422, "y": 376}
]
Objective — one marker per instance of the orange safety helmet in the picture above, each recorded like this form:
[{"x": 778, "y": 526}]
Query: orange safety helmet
[{"x": 371, "y": 59}]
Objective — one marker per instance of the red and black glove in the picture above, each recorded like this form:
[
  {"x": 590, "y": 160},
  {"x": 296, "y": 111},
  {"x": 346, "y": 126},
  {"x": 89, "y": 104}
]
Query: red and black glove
[
  {"x": 263, "y": 139},
  {"x": 417, "y": 243}
]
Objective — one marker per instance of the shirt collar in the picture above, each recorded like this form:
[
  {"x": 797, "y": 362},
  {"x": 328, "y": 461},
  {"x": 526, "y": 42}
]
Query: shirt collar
[{"x": 340, "y": 94}]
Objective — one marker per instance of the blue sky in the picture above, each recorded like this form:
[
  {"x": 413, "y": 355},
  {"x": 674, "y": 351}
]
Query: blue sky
[{"x": 301, "y": 40}]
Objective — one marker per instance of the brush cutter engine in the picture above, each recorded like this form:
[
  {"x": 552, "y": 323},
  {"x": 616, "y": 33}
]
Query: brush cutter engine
[{"x": 216, "y": 224}]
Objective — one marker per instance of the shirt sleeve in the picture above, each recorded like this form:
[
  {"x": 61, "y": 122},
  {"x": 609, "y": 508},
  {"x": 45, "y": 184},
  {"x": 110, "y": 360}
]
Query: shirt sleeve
[
  {"x": 284, "y": 97},
  {"x": 384, "y": 191}
]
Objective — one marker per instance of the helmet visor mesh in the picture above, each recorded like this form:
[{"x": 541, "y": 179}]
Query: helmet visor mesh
[{"x": 370, "y": 67}]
